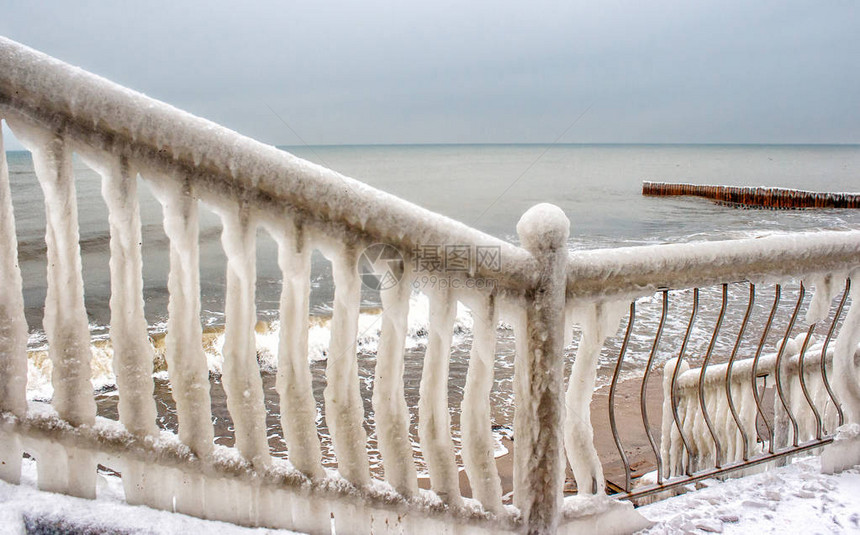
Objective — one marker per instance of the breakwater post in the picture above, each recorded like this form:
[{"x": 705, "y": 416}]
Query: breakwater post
[{"x": 756, "y": 197}]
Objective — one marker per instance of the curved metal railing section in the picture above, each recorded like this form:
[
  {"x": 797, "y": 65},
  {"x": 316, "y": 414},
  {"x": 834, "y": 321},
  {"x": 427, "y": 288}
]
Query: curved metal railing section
[
  {"x": 751, "y": 382},
  {"x": 713, "y": 415}
]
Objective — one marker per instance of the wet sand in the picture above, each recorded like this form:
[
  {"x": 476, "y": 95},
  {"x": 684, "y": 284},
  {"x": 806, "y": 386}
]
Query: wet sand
[{"x": 631, "y": 431}]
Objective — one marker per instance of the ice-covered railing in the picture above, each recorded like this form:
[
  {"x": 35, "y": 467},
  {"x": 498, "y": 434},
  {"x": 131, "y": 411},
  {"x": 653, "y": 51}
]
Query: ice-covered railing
[
  {"x": 769, "y": 377},
  {"x": 58, "y": 110}
]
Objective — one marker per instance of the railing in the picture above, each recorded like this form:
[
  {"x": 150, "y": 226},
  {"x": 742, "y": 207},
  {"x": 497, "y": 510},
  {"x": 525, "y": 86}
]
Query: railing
[{"x": 57, "y": 110}]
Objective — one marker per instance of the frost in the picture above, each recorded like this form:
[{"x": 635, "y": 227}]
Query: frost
[
  {"x": 434, "y": 420},
  {"x": 13, "y": 326},
  {"x": 132, "y": 352},
  {"x": 389, "y": 400},
  {"x": 599, "y": 321},
  {"x": 242, "y": 381},
  {"x": 475, "y": 419},
  {"x": 186, "y": 361},
  {"x": 343, "y": 407}
]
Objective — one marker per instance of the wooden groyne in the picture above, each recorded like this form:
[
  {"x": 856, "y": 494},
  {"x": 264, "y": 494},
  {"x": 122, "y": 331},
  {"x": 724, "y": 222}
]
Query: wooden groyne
[{"x": 760, "y": 197}]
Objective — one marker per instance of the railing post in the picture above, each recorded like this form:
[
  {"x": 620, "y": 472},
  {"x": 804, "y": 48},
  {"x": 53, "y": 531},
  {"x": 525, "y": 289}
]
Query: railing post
[{"x": 539, "y": 452}]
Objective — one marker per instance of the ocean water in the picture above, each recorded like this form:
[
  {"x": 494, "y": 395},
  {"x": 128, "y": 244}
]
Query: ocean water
[{"x": 486, "y": 186}]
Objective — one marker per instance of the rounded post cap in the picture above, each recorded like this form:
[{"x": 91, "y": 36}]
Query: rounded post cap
[{"x": 543, "y": 227}]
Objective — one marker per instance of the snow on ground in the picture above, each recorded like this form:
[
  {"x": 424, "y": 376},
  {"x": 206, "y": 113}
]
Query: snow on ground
[{"x": 793, "y": 499}]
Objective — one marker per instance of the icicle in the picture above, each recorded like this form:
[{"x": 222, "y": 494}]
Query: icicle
[
  {"x": 186, "y": 361},
  {"x": 748, "y": 413},
  {"x": 222, "y": 496},
  {"x": 825, "y": 289},
  {"x": 310, "y": 515},
  {"x": 13, "y": 325},
  {"x": 389, "y": 399},
  {"x": 344, "y": 411},
  {"x": 65, "y": 319},
  {"x": 298, "y": 409},
  {"x": 692, "y": 415},
  {"x": 189, "y": 492},
  {"x": 132, "y": 352},
  {"x": 65, "y": 316},
  {"x": 434, "y": 420},
  {"x": 600, "y": 320},
  {"x": 52, "y": 467},
  {"x": 241, "y": 373},
  {"x": 671, "y": 446},
  {"x": 354, "y": 517},
  {"x": 13, "y": 330},
  {"x": 844, "y": 376},
  {"x": 475, "y": 421}
]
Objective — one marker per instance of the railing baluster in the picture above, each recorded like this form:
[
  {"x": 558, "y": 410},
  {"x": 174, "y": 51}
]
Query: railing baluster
[
  {"x": 643, "y": 406},
  {"x": 389, "y": 400},
  {"x": 781, "y": 388},
  {"x": 754, "y": 371},
  {"x": 186, "y": 361},
  {"x": 132, "y": 351},
  {"x": 827, "y": 386},
  {"x": 844, "y": 368},
  {"x": 294, "y": 383},
  {"x": 65, "y": 322},
  {"x": 689, "y": 416},
  {"x": 801, "y": 372},
  {"x": 434, "y": 420},
  {"x": 475, "y": 420},
  {"x": 601, "y": 320},
  {"x": 718, "y": 448},
  {"x": 344, "y": 411},
  {"x": 13, "y": 330},
  {"x": 745, "y": 436},
  {"x": 612, "y": 388},
  {"x": 241, "y": 373}
]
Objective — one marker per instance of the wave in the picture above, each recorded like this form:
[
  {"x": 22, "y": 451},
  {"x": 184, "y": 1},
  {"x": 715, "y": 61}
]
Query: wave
[{"x": 267, "y": 335}]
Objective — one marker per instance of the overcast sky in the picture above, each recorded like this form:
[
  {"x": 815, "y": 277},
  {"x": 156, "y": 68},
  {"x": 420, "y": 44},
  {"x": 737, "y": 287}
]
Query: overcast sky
[{"x": 476, "y": 72}]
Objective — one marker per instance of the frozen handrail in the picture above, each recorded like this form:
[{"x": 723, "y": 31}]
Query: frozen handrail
[
  {"x": 105, "y": 115},
  {"x": 643, "y": 270}
]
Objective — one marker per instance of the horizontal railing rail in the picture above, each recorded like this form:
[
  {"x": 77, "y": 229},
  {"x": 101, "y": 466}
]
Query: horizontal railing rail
[{"x": 219, "y": 162}]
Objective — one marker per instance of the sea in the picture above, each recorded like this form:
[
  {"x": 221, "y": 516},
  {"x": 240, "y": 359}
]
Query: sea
[{"x": 485, "y": 186}]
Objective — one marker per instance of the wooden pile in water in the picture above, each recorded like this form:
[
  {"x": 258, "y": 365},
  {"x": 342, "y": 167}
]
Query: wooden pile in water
[{"x": 757, "y": 197}]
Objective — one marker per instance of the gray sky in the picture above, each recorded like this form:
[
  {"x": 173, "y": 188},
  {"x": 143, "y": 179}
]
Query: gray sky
[{"x": 476, "y": 72}]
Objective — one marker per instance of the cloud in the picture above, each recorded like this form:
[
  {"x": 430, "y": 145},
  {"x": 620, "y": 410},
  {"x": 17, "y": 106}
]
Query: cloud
[{"x": 377, "y": 72}]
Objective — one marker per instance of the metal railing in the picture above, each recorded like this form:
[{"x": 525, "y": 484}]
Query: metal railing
[{"x": 540, "y": 289}]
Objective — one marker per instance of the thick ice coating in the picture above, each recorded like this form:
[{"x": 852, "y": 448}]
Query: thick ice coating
[{"x": 186, "y": 361}]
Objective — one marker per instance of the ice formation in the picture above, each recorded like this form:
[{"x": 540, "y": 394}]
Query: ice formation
[
  {"x": 132, "y": 351},
  {"x": 298, "y": 409},
  {"x": 801, "y": 410},
  {"x": 845, "y": 381},
  {"x": 475, "y": 419},
  {"x": 13, "y": 329},
  {"x": 389, "y": 401},
  {"x": 344, "y": 412},
  {"x": 599, "y": 321},
  {"x": 185, "y": 158},
  {"x": 186, "y": 361},
  {"x": 241, "y": 374},
  {"x": 434, "y": 420}
]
